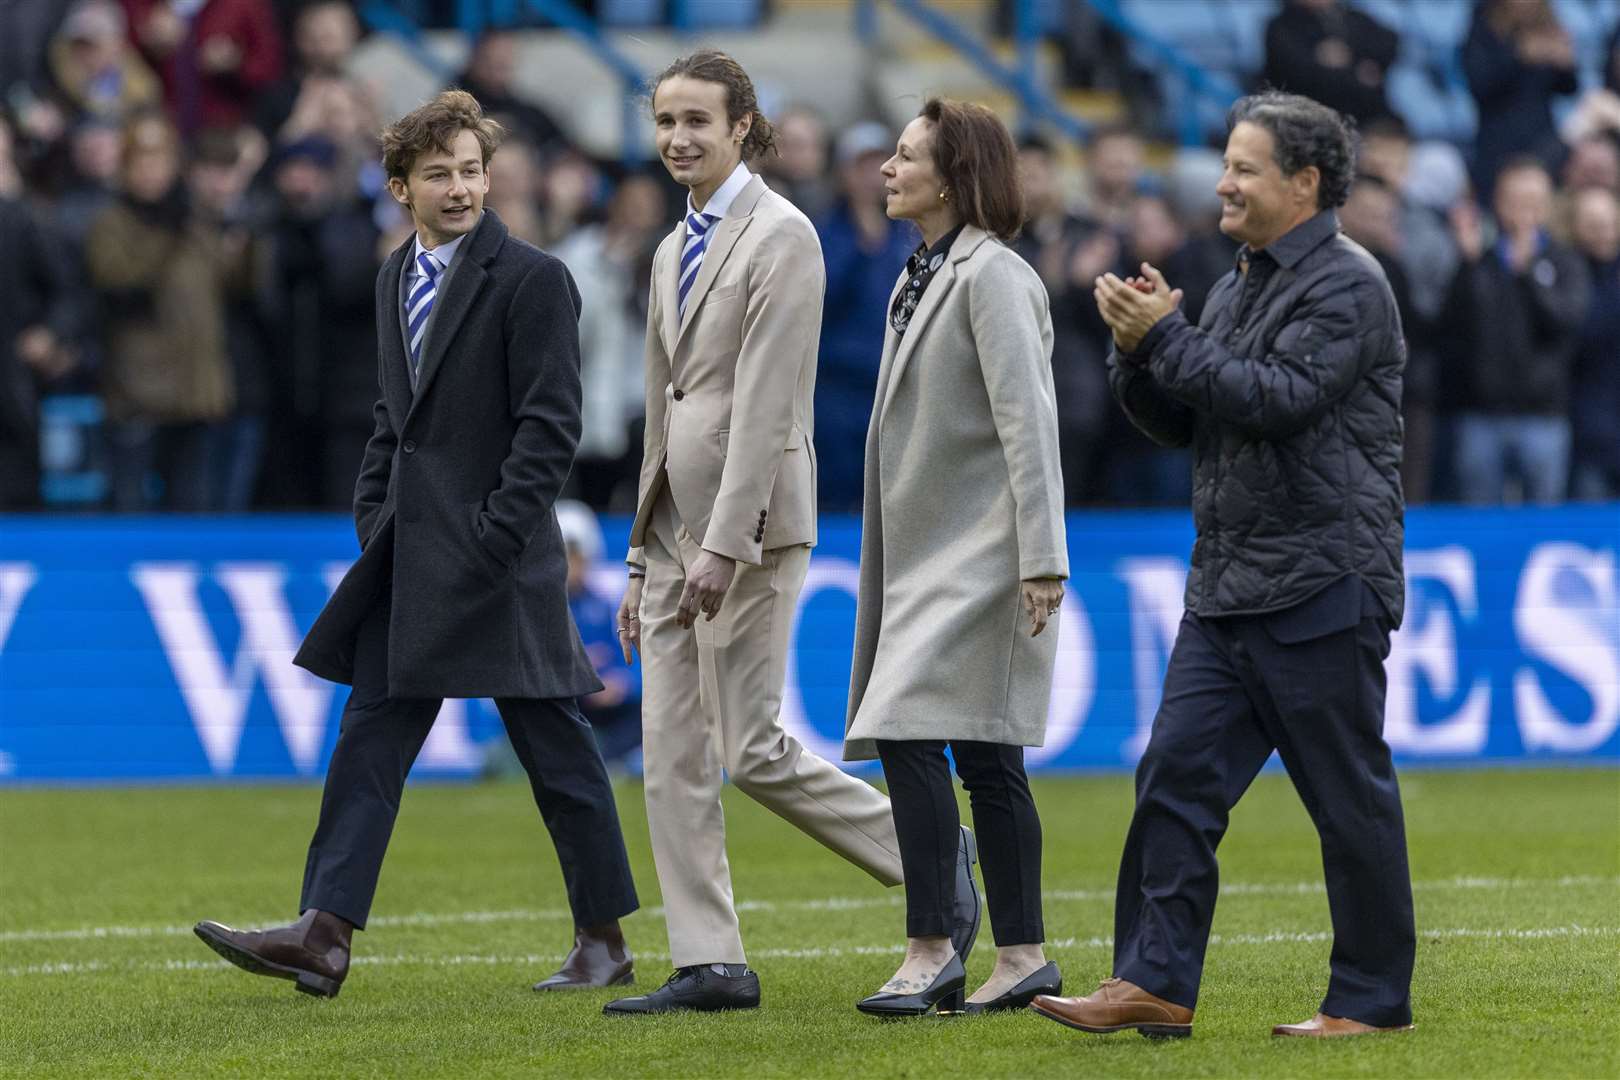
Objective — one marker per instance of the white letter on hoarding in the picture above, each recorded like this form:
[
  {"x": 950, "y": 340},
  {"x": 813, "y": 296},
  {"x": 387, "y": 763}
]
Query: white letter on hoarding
[
  {"x": 1427, "y": 643},
  {"x": 1580, "y": 636},
  {"x": 1156, "y": 586},
  {"x": 218, "y": 700},
  {"x": 15, "y": 581},
  {"x": 824, "y": 573},
  {"x": 449, "y": 745},
  {"x": 16, "y": 578},
  {"x": 1074, "y": 681}
]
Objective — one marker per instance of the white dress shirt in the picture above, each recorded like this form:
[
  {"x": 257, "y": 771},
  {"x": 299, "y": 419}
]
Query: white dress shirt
[{"x": 722, "y": 199}]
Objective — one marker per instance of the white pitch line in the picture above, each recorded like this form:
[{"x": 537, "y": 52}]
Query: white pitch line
[
  {"x": 829, "y": 903},
  {"x": 1275, "y": 937}
]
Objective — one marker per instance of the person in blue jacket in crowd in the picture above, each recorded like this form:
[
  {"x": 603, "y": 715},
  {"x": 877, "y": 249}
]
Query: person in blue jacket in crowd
[
  {"x": 614, "y": 711},
  {"x": 864, "y": 252}
]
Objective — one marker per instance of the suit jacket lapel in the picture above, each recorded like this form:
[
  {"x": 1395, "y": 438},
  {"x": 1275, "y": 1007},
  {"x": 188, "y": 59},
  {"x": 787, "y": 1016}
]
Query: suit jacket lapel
[
  {"x": 930, "y": 303},
  {"x": 720, "y": 245},
  {"x": 891, "y": 345},
  {"x": 967, "y": 242},
  {"x": 450, "y": 308},
  {"x": 395, "y": 364},
  {"x": 671, "y": 286}
]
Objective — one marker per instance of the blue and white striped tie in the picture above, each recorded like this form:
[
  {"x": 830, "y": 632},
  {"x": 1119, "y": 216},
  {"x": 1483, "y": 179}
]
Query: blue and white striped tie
[
  {"x": 419, "y": 305},
  {"x": 697, "y": 240}
]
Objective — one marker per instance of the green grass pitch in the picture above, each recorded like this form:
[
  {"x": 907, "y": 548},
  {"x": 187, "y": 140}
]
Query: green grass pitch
[{"x": 1517, "y": 878}]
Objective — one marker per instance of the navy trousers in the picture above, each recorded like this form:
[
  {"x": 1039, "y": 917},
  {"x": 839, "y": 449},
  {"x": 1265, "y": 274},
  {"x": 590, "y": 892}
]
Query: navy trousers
[
  {"x": 378, "y": 740},
  {"x": 1237, "y": 688}
]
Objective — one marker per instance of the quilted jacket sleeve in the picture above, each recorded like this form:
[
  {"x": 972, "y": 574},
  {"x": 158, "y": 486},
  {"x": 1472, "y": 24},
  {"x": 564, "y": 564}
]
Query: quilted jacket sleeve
[{"x": 1335, "y": 328}]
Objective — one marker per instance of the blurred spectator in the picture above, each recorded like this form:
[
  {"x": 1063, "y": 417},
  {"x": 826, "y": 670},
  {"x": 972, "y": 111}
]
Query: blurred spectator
[
  {"x": 1595, "y": 391},
  {"x": 1058, "y": 244},
  {"x": 95, "y": 151},
  {"x": 1513, "y": 320},
  {"x": 346, "y": 117},
  {"x": 26, "y": 27},
  {"x": 1327, "y": 50},
  {"x": 798, "y": 171},
  {"x": 212, "y": 55},
  {"x": 96, "y": 68},
  {"x": 864, "y": 253},
  {"x": 1594, "y": 161},
  {"x": 324, "y": 36},
  {"x": 611, "y": 263},
  {"x": 1136, "y": 470},
  {"x": 1426, "y": 253},
  {"x": 569, "y": 187},
  {"x": 1372, "y": 218},
  {"x": 1517, "y": 59},
  {"x": 39, "y": 324},
  {"x": 1207, "y": 254},
  {"x": 1115, "y": 167},
  {"x": 217, "y": 181},
  {"x": 322, "y": 260},
  {"x": 614, "y": 711},
  {"x": 167, "y": 377},
  {"x": 1611, "y": 62},
  {"x": 515, "y": 179},
  {"x": 489, "y": 78}
]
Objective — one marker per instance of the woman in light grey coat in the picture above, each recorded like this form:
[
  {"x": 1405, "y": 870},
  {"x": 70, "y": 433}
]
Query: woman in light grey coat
[{"x": 962, "y": 558}]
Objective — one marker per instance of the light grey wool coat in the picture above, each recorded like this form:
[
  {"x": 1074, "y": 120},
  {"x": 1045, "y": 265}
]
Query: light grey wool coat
[{"x": 964, "y": 501}]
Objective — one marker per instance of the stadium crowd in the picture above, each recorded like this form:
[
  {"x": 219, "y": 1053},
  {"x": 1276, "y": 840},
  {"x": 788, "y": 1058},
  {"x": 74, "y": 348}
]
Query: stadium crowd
[{"x": 193, "y": 213}]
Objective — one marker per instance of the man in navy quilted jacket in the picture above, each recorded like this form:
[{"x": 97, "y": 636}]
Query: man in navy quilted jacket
[{"x": 1289, "y": 394}]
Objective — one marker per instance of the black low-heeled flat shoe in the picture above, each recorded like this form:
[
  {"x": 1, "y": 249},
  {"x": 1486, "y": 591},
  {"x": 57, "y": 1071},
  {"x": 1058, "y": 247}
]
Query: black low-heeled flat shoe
[
  {"x": 1046, "y": 980},
  {"x": 944, "y": 996}
]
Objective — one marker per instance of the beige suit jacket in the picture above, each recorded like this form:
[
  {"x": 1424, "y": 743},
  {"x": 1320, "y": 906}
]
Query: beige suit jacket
[{"x": 730, "y": 384}]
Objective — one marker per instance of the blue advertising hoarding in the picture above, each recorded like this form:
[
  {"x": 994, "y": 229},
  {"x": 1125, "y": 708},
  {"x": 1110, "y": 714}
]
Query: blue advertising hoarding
[{"x": 144, "y": 649}]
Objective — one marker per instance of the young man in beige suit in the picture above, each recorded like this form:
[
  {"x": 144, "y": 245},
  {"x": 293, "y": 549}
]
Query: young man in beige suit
[{"x": 724, "y": 525}]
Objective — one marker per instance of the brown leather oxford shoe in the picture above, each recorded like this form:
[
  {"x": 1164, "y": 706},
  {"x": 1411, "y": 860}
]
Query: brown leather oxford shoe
[
  {"x": 1117, "y": 1005},
  {"x": 599, "y": 958},
  {"x": 1333, "y": 1027},
  {"x": 313, "y": 952}
]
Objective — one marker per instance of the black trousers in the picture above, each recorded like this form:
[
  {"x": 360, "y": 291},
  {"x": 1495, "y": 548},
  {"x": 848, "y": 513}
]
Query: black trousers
[
  {"x": 1233, "y": 693},
  {"x": 1004, "y": 819},
  {"x": 378, "y": 740}
]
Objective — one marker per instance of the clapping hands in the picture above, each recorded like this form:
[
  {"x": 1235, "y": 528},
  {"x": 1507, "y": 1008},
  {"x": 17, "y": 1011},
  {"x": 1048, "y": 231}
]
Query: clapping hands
[{"x": 1131, "y": 306}]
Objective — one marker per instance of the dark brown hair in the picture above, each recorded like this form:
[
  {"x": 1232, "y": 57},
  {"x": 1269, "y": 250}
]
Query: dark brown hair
[
  {"x": 434, "y": 126},
  {"x": 712, "y": 65},
  {"x": 974, "y": 156}
]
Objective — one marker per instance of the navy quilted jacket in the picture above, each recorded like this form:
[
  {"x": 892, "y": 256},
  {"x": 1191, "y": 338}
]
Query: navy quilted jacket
[{"x": 1289, "y": 392}]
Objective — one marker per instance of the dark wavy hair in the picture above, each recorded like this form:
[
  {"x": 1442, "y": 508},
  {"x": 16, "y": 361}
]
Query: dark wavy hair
[
  {"x": 1304, "y": 133},
  {"x": 975, "y": 157},
  {"x": 712, "y": 65}
]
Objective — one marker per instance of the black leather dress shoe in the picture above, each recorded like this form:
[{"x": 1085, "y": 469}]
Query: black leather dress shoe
[
  {"x": 1047, "y": 980},
  {"x": 944, "y": 995},
  {"x": 968, "y": 909},
  {"x": 599, "y": 958},
  {"x": 313, "y": 952},
  {"x": 693, "y": 989}
]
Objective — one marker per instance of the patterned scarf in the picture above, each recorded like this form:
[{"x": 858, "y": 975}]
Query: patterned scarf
[{"x": 920, "y": 270}]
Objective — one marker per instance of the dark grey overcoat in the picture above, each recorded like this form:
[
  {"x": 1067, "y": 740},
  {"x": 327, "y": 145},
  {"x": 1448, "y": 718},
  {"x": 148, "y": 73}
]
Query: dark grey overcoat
[{"x": 453, "y": 506}]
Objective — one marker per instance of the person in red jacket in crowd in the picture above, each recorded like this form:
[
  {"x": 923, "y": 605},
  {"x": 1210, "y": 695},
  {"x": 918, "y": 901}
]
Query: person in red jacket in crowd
[{"x": 213, "y": 55}]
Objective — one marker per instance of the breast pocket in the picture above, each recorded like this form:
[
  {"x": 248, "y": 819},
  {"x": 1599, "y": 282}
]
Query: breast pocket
[{"x": 720, "y": 294}]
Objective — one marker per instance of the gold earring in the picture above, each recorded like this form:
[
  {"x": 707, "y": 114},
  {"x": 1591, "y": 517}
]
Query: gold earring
[{"x": 944, "y": 196}]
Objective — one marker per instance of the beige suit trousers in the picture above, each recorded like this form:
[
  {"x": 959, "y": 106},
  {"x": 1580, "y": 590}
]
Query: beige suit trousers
[{"x": 710, "y": 702}]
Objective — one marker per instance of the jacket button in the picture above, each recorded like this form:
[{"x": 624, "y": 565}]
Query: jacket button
[
  {"x": 679, "y": 395},
  {"x": 410, "y": 446}
]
